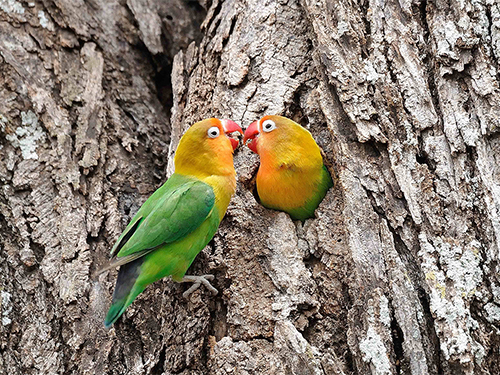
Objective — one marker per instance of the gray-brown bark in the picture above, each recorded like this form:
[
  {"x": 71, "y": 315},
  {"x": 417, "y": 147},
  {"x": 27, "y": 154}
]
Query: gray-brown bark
[{"x": 396, "y": 274}]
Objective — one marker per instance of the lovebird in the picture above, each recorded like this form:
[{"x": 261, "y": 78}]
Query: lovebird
[
  {"x": 180, "y": 218},
  {"x": 291, "y": 176}
]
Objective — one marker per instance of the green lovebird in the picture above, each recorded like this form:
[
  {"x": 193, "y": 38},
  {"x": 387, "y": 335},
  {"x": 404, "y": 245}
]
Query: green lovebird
[
  {"x": 180, "y": 218},
  {"x": 291, "y": 176}
]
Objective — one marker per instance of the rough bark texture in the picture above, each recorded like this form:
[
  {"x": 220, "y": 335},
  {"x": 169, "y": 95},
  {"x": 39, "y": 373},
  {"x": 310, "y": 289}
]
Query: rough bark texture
[{"x": 397, "y": 274}]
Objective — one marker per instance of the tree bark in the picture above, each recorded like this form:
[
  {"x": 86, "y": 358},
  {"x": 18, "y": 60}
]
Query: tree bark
[{"x": 398, "y": 272}]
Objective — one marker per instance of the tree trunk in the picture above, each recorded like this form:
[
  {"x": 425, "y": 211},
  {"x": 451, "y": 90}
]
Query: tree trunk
[{"x": 398, "y": 272}]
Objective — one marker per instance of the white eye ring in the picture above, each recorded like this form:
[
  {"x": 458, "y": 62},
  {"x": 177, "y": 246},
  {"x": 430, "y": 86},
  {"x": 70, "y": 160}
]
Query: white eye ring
[
  {"x": 213, "y": 132},
  {"x": 268, "y": 126}
]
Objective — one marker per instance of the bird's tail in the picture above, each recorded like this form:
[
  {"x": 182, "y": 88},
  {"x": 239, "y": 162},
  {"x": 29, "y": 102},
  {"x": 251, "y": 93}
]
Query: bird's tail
[{"x": 125, "y": 290}]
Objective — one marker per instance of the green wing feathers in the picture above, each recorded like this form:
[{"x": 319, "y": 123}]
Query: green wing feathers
[
  {"x": 327, "y": 179},
  {"x": 307, "y": 210},
  {"x": 174, "y": 210},
  {"x": 324, "y": 185},
  {"x": 162, "y": 239}
]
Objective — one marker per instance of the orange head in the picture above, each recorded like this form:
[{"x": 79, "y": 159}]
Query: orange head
[
  {"x": 207, "y": 148},
  {"x": 278, "y": 135},
  {"x": 261, "y": 131}
]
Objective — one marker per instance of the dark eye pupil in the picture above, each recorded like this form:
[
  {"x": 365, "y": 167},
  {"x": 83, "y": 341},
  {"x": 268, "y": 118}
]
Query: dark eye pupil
[{"x": 268, "y": 126}]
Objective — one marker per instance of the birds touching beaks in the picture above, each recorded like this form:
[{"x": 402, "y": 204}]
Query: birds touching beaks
[
  {"x": 180, "y": 218},
  {"x": 291, "y": 176}
]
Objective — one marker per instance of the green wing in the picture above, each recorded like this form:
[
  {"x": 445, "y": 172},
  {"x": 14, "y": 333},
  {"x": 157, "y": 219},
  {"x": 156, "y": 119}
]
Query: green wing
[
  {"x": 173, "y": 211},
  {"x": 307, "y": 211}
]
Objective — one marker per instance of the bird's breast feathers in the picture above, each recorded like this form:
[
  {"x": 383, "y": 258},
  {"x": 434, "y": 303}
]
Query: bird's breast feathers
[{"x": 288, "y": 185}]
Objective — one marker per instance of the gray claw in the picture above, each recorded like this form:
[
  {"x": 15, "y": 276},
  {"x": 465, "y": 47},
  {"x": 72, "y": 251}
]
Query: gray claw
[{"x": 197, "y": 281}]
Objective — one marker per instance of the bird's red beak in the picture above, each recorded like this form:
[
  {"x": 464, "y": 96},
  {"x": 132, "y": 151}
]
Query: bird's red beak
[
  {"x": 251, "y": 134},
  {"x": 231, "y": 127}
]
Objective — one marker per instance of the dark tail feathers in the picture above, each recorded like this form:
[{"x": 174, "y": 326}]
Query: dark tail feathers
[{"x": 125, "y": 283}]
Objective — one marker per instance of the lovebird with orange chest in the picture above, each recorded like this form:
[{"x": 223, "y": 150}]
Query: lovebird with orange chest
[
  {"x": 291, "y": 176},
  {"x": 180, "y": 218}
]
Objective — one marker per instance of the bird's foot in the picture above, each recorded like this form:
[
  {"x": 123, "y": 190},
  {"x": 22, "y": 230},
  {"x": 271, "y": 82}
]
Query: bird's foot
[{"x": 197, "y": 281}]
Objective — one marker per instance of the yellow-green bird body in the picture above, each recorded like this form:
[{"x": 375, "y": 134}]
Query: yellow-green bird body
[
  {"x": 291, "y": 176},
  {"x": 181, "y": 217}
]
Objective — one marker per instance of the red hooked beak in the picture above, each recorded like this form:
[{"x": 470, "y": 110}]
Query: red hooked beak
[
  {"x": 251, "y": 134},
  {"x": 230, "y": 127}
]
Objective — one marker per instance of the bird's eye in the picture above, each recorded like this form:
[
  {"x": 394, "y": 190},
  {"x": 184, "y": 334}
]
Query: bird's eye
[
  {"x": 268, "y": 126},
  {"x": 213, "y": 132}
]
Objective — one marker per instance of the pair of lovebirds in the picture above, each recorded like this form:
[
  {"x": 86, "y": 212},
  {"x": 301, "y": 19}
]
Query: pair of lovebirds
[{"x": 182, "y": 216}]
